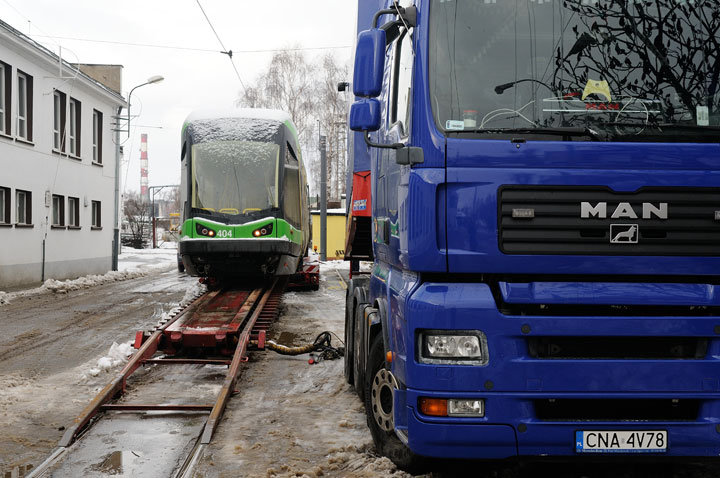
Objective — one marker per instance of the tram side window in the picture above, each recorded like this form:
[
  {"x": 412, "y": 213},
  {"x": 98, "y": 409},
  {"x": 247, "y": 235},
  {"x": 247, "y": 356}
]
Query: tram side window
[{"x": 291, "y": 188}]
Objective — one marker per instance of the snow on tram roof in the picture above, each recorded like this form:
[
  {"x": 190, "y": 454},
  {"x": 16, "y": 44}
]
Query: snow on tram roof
[{"x": 247, "y": 113}]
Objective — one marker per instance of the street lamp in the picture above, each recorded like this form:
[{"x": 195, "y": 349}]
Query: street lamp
[
  {"x": 150, "y": 81},
  {"x": 116, "y": 230}
]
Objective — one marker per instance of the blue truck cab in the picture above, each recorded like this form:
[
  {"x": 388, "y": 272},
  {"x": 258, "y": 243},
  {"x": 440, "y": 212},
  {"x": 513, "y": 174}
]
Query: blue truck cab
[{"x": 545, "y": 228}]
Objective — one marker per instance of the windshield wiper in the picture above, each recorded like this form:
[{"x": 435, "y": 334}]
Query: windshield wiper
[
  {"x": 670, "y": 130},
  {"x": 558, "y": 131}
]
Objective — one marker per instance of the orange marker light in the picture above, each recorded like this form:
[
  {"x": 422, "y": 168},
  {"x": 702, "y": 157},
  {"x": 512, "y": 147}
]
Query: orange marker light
[
  {"x": 434, "y": 407},
  {"x": 388, "y": 357},
  {"x": 256, "y": 233}
]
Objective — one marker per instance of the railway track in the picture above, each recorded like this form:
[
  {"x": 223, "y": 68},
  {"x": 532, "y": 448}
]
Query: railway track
[{"x": 216, "y": 329}]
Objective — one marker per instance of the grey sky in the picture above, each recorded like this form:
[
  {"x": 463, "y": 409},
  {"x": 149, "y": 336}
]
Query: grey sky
[{"x": 193, "y": 79}]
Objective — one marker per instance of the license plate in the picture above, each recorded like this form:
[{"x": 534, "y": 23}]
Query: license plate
[{"x": 608, "y": 441}]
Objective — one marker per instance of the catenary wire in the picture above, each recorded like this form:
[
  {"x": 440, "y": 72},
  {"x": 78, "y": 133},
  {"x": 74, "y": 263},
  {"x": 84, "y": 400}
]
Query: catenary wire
[
  {"x": 183, "y": 48},
  {"x": 225, "y": 50}
]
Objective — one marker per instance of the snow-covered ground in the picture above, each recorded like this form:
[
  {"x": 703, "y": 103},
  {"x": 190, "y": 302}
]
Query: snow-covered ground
[{"x": 132, "y": 263}]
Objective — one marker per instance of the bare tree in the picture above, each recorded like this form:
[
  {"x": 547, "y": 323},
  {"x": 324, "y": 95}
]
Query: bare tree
[
  {"x": 137, "y": 214},
  {"x": 308, "y": 92},
  {"x": 332, "y": 113}
]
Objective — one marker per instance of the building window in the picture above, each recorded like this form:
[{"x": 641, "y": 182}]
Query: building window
[
  {"x": 96, "y": 215},
  {"x": 73, "y": 213},
  {"x": 59, "y": 121},
  {"x": 58, "y": 211},
  {"x": 74, "y": 136},
  {"x": 25, "y": 106},
  {"x": 5, "y": 98},
  {"x": 4, "y": 205},
  {"x": 97, "y": 136},
  {"x": 23, "y": 212}
]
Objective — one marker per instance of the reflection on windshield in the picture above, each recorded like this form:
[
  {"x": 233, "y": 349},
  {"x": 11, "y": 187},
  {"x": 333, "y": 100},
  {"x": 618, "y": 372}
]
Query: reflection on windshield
[
  {"x": 234, "y": 177},
  {"x": 617, "y": 66}
]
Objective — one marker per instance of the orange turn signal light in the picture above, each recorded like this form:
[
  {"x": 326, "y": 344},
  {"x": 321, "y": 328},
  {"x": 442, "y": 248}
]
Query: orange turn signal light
[{"x": 434, "y": 407}]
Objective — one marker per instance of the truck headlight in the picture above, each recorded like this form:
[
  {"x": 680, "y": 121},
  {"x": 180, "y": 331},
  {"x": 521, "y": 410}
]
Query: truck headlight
[{"x": 453, "y": 347}]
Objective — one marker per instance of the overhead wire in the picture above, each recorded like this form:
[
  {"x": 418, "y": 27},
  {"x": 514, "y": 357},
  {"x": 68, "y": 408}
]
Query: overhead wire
[
  {"x": 184, "y": 48},
  {"x": 225, "y": 50}
]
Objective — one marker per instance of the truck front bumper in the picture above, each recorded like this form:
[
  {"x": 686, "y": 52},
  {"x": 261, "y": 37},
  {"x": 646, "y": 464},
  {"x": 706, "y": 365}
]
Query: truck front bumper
[{"x": 517, "y": 386}]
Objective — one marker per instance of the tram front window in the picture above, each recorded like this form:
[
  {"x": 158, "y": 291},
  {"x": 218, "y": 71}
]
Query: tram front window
[{"x": 235, "y": 177}]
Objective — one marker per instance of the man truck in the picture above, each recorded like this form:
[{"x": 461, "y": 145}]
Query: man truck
[{"x": 536, "y": 183}]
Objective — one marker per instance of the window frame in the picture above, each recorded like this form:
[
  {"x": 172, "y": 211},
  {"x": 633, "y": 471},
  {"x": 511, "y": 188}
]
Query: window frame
[
  {"x": 73, "y": 213},
  {"x": 24, "y": 101},
  {"x": 58, "y": 211},
  {"x": 5, "y": 206},
  {"x": 96, "y": 215},
  {"x": 74, "y": 130},
  {"x": 292, "y": 160},
  {"x": 59, "y": 120},
  {"x": 397, "y": 61},
  {"x": 27, "y": 209},
  {"x": 97, "y": 137},
  {"x": 5, "y": 98}
]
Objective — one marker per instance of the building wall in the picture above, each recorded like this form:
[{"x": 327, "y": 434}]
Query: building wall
[
  {"x": 335, "y": 234},
  {"x": 35, "y": 167}
]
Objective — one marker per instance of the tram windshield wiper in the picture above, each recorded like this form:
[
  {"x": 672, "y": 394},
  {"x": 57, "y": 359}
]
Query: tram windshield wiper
[{"x": 565, "y": 132}]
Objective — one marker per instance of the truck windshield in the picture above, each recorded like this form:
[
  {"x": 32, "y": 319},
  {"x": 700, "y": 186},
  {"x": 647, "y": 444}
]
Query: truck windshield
[
  {"x": 630, "y": 70},
  {"x": 234, "y": 177}
]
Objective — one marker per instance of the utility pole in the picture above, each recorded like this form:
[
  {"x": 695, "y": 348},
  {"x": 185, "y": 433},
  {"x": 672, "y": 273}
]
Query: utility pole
[
  {"x": 116, "y": 210},
  {"x": 323, "y": 198}
]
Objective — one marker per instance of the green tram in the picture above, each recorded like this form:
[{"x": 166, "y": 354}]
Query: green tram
[{"x": 244, "y": 194}]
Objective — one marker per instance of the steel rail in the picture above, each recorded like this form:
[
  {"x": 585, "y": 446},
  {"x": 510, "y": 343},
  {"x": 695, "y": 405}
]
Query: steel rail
[
  {"x": 248, "y": 314},
  {"x": 117, "y": 386},
  {"x": 234, "y": 370}
]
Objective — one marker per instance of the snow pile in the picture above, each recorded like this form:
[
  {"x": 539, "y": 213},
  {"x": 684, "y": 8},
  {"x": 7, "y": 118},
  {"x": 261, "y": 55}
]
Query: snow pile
[
  {"x": 352, "y": 460},
  {"x": 164, "y": 261},
  {"x": 63, "y": 287},
  {"x": 117, "y": 355}
]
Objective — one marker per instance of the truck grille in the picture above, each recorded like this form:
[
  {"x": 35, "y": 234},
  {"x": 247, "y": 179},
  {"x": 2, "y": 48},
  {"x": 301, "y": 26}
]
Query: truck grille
[
  {"x": 547, "y": 220},
  {"x": 618, "y": 348},
  {"x": 617, "y": 409}
]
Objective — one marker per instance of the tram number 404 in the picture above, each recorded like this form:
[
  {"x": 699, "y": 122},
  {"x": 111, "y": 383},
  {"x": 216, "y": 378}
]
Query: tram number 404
[{"x": 225, "y": 233}]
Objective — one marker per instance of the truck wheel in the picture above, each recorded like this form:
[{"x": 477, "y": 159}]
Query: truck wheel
[
  {"x": 358, "y": 349},
  {"x": 379, "y": 404},
  {"x": 348, "y": 359}
]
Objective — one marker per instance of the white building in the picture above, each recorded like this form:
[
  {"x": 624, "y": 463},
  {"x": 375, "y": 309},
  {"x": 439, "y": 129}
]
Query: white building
[{"x": 57, "y": 163}]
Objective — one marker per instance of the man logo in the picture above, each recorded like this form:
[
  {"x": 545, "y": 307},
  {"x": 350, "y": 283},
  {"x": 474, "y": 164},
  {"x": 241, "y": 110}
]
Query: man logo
[
  {"x": 624, "y": 210},
  {"x": 624, "y": 233}
]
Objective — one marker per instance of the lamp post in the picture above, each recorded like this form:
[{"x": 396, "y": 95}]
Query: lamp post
[{"x": 118, "y": 130}]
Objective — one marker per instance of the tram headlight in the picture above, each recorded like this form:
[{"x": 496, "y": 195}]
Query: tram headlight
[
  {"x": 204, "y": 231},
  {"x": 263, "y": 231}
]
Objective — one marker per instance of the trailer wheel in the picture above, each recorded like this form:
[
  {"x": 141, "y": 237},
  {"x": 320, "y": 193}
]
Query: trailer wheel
[{"x": 379, "y": 397}]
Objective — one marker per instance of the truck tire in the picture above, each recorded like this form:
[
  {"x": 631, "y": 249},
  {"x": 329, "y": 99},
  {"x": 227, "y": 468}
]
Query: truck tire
[
  {"x": 348, "y": 358},
  {"x": 359, "y": 351},
  {"x": 380, "y": 413}
]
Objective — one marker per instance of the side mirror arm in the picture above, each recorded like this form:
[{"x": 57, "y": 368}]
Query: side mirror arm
[
  {"x": 406, "y": 155},
  {"x": 369, "y": 142}
]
